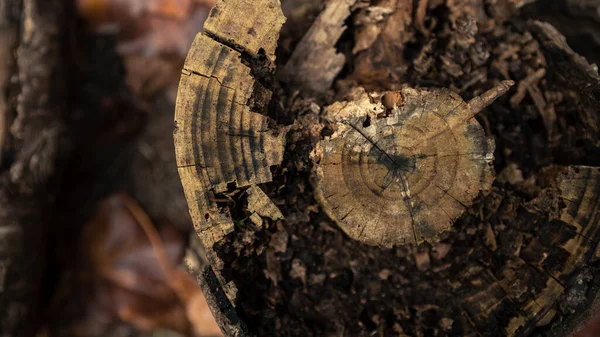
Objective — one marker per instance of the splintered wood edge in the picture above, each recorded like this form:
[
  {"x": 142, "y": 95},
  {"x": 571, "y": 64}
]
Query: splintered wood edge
[
  {"x": 315, "y": 62},
  {"x": 218, "y": 140},
  {"x": 400, "y": 167}
]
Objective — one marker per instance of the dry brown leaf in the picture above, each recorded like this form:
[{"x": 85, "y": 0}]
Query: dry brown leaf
[{"x": 138, "y": 280}]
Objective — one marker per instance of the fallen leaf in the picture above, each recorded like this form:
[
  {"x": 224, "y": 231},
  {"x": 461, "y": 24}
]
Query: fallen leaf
[{"x": 137, "y": 280}]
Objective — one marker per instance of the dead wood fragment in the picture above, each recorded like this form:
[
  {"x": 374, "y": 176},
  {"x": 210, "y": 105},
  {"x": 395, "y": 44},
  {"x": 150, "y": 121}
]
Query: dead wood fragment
[
  {"x": 563, "y": 246},
  {"x": 406, "y": 177},
  {"x": 573, "y": 71},
  {"x": 315, "y": 62},
  {"x": 369, "y": 22},
  {"x": 386, "y": 42},
  {"x": 524, "y": 84},
  {"x": 219, "y": 141},
  {"x": 259, "y": 203},
  {"x": 247, "y": 24}
]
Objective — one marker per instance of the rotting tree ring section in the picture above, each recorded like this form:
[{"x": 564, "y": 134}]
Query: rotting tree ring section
[{"x": 408, "y": 173}]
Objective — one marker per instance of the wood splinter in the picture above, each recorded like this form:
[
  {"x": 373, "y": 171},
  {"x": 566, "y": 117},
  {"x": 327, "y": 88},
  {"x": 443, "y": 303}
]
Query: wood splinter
[{"x": 401, "y": 166}]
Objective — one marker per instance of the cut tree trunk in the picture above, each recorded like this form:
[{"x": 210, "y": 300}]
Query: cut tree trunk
[
  {"x": 33, "y": 102},
  {"x": 376, "y": 212}
]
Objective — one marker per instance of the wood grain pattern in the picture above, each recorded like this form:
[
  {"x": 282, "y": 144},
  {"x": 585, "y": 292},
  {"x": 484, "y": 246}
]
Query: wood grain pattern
[
  {"x": 403, "y": 173},
  {"x": 219, "y": 142},
  {"x": 248, "y": 24},
  {"x": 549, "y": 274}
]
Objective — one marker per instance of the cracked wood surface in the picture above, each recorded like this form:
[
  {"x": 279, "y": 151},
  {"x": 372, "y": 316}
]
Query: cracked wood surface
[
  {"x": 219, "y": 141},
  {"x": 550, "y": 273},
  {"x": 401, "y": 168}
]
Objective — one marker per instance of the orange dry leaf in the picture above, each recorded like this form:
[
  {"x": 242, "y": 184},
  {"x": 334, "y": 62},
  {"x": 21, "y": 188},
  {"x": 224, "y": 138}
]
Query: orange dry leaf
[
  {"x": 99, "y": 12},
  {"x": 138, "y": 282},
  {"x": 150, "y": 27}
]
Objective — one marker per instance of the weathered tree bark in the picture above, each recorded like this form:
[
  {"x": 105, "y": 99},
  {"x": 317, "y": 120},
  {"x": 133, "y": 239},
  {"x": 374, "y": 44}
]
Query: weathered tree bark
[
  {"x": 33, "y": 102},
  {"x": 524, "y": 260}
]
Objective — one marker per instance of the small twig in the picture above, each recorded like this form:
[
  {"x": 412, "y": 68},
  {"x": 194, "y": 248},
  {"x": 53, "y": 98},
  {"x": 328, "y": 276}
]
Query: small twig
[{"x": 157, "y": 246}]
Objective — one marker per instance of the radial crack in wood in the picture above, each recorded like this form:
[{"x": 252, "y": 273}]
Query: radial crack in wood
[
  {"x": 249, "y": 24},
  {"x": 402, "y": 166},
  {"x": 220, "y": 142}
]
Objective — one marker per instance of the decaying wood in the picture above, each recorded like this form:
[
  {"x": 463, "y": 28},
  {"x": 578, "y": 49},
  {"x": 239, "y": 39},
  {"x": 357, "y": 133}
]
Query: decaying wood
[
  {"x": 315, "y": 62},
  {"x": 32, "y": 107},
  {"x": 404, "y": 173},
  {"x": 574, "y": 71},
  {"x": 260, "y": 204},
  {"x": 219, "y": 141},
  {"x": 384, "y": 31},
  {"x": 566, "y": 243},
  {"x": 247, "y": 25}
]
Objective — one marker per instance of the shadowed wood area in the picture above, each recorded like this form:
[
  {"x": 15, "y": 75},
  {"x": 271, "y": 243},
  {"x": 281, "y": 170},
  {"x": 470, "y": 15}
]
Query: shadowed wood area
[
  {"x": 553, "y": 261},
  {"x": 402, "y": 169}
]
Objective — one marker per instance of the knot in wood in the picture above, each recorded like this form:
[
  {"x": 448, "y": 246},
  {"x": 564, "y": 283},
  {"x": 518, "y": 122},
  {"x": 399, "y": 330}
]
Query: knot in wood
[{"x": 402, "y": 173}]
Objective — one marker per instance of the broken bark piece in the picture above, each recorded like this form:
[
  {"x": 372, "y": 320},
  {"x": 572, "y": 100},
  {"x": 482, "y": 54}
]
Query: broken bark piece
[
  {"x": 574, "y": 71},
  {"x": 315, "y": 62},
  {"x": 406, "y": 177},
  {"x": 35, "y": 99},
  {"x": 220, "y": 142}
]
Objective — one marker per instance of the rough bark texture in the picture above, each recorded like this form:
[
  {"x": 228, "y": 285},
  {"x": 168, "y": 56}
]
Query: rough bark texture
[{"x": 32, "y": 106}]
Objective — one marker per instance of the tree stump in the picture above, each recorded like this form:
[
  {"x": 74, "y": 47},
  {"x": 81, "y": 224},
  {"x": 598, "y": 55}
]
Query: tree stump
[
  {"x": 402, "y": 169},
  {"x": 377, "y": 210}
]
